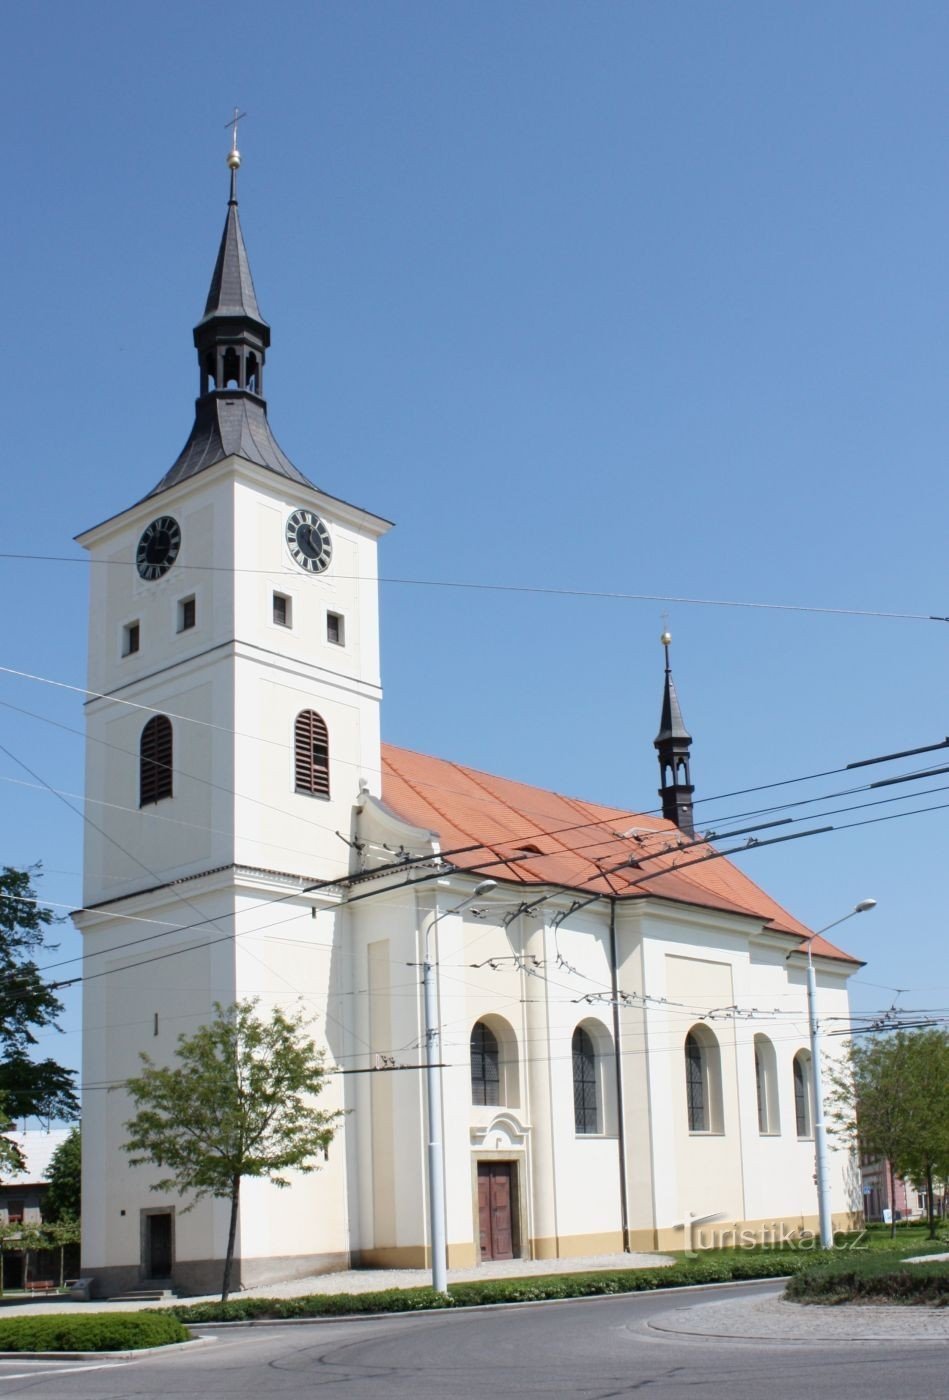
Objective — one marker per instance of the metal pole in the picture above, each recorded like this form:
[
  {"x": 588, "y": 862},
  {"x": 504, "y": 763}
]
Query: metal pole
[
  {"x": 824, "y": 1213},
  {"x": 436, "y": 1161}
]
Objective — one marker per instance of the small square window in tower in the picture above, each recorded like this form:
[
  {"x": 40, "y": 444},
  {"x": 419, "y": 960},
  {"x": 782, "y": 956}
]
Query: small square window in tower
[
  {"x": 131, "y": 638},
  {"x": 336, "y": 629},
  {"x": 187, "y": 615},
  {"x": 282, "y": 610}
]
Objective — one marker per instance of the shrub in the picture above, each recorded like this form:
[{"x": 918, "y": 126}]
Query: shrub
[
  {"x": 91, "y": 1332},
  {"x": 740, "y": 1265},
  {"x": 871, "y": 1280}
]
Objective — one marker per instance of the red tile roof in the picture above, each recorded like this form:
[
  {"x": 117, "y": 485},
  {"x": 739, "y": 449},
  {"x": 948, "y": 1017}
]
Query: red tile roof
[{"x": 527, "y": 835}]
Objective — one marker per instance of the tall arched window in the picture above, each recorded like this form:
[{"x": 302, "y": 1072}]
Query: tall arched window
[
  {"x": 696, "y": 1089},
  {"x": 155, "y": 760},
  {"x": 586, "y": 1107},
  {"x": 703, "y": 1081},
  {"x": 485, "y": 1065},
  {"x": 802, "y": 1094},
  {"x": 311, "y": 754},
  {"x": 766, "y": 1084}
]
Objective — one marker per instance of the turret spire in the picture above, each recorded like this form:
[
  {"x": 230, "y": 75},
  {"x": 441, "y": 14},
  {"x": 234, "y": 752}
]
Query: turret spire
[
  {"x": 231, "y": 339},
  {"x": 673, "y": 743}
]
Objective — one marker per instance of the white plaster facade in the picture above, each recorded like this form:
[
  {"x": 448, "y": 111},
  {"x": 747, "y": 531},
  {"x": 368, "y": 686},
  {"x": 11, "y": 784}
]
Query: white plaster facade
[{"x": 201, "y": 898}]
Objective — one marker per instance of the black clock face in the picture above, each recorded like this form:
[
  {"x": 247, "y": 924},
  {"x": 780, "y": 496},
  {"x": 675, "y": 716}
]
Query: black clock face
[
  {"x": 308, "y": 541},
  {"x": 158, "y": 548}
]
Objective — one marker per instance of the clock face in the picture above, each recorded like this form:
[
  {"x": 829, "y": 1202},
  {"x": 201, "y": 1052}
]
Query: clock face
[
  {"x": 308, "y": 540},
  {"x": 158, "y": 548}
]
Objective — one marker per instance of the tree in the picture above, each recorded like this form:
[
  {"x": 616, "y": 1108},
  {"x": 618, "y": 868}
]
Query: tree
[
  {"x": 63, "y": 1200},
  {"x": 28, "y": 1087},
  {"x": 57, "y": 1235},
  {"x": 892, "y": 1097},
  {"x": 234, "y": 1104}
]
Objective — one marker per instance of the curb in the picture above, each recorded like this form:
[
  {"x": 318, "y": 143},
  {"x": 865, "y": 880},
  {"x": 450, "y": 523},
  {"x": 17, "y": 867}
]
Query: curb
[
  {"x": 102, "y": 1355},
  {"x": 482, "y": 1307}
]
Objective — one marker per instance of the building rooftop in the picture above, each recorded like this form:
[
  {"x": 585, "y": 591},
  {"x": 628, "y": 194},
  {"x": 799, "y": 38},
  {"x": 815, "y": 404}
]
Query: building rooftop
[
  {"x": 37, "y": 1146},
  {"x": 515, "y": 832}
]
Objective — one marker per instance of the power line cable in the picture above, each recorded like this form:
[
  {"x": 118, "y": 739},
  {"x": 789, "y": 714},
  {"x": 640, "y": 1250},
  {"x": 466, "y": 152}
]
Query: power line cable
[{"x": 480, "y": 586}]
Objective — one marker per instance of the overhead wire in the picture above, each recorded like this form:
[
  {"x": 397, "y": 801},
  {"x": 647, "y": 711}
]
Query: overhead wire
[{"x": 482, "y": 586}]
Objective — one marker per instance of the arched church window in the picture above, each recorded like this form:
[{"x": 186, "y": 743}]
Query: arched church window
[
  {"x": 311, "y": 754},
  {"x": 703, "y": 1081},
  {"x": 209, "y": 371},
  {"x": 252, "y": 373},
  {"x": 766, "y": 1086},
  {"x": 802, "y": 1094},
  {"x": 485, "y": 1065},
  {"x": 586, "y": 1108},
  {"x": 155, "y": 761}
]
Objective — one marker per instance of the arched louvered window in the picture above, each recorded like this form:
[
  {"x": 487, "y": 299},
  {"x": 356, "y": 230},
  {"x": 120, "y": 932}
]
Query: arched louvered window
[
  {"x": 586, "y": 1109},
  {"x": 312, "y": 754},
  {"x": 155, "y": 760},
  {"x": 485, "y": 1065}
]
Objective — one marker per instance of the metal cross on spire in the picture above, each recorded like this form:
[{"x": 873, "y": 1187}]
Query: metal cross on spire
[{"x": 234, "y": 155}]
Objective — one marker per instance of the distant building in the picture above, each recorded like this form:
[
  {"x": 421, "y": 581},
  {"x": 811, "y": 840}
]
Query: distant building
[
  {"x": 21, "y": 1203},
  {"x": 884, "y": 1190},
  {"x": 22, "y": 1194}
]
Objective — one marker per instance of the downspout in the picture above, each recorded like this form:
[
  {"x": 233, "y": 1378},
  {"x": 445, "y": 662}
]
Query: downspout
[{"x": 618, "y": 1074}]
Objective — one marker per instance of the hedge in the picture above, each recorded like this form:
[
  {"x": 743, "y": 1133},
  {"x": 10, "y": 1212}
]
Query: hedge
[
  {"x": 116, "y": 1331},
  {"x": 873, "y": 1280},
  {"x": 741, "y": 1266}
]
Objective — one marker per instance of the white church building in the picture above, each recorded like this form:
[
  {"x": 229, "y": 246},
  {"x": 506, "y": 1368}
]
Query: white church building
[{"x": 621, "y": 1015}]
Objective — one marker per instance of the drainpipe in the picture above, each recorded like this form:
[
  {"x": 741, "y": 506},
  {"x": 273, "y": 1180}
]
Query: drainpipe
[{"x": 618, "y": 1072}]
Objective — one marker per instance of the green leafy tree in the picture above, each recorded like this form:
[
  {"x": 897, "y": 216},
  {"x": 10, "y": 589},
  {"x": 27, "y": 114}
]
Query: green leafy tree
[
  {"x": 28, "y": 1087},
  {"x": 236, "y": 1103},
  {"x": 59, "y": 1234},
  {"x": 63, "y": 1199},
  {"x": 892, "y": 1098}
]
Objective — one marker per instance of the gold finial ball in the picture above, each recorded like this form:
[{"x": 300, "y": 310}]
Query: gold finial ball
[
  {"x": 666, "y": 638},
  {"x": 234, "y": 159}
]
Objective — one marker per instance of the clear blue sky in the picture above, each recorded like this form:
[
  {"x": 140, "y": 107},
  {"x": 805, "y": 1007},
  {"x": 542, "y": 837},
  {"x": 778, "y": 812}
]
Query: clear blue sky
[{"x": 620, "y": 297}]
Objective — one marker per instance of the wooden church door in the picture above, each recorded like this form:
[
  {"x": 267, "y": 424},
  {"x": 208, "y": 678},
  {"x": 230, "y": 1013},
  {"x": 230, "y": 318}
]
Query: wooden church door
[{"x": 496, "y": 1209}]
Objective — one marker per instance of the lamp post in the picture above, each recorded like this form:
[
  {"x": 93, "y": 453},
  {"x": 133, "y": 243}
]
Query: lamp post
[
  {"x": 436, "y": 1152},
  {"x": 824, "y": 1213}
]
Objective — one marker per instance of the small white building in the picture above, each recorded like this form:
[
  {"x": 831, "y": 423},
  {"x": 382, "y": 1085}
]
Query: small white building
[{"x": 622, "y": 1017}]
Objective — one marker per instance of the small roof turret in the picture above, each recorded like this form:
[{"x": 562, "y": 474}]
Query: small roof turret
[{"x": 673, "y": 743}]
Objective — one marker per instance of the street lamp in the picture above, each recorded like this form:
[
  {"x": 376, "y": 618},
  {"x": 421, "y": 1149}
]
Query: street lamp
[
  {"x": 824, "y": 1213},
  {"x": 436, "y": 1154}
]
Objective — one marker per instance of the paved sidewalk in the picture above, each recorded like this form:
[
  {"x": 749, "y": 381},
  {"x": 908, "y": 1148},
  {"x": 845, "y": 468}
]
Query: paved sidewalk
[
  {"x": 370, "y": 1281},
  {"x": 772, "y": 1319}
]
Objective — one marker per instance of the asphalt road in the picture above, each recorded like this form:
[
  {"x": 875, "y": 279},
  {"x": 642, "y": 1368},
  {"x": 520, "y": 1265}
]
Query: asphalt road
[{"x": 597, "y": 1350}]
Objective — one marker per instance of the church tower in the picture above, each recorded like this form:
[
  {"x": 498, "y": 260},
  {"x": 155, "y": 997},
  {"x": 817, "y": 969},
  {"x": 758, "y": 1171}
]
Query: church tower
[
  {"x": 673, "y": 743},
  {"x": 233, "y": 722}
]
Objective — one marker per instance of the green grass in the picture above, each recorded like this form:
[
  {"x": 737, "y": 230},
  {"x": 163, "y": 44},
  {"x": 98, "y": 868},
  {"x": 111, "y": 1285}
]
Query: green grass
[{"x": 91, "y": 1332}]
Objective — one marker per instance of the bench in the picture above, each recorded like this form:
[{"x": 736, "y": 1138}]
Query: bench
[{"x": 42, "y": 1285}]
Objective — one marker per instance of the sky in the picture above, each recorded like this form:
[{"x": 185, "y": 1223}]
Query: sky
[{"x": 589, "y": 298}]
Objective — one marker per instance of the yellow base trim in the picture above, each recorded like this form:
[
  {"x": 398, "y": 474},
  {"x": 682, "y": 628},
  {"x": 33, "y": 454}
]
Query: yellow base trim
[
  {"x": 576, "y": 1246},
  {"x": 720, "y": 1234},
  {"x": 728, "y": 1234}
]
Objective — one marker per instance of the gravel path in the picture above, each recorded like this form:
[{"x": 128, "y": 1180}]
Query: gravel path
[
  {"x": 775, "y": 1320},
  {"x": 373, "y": 1280}
]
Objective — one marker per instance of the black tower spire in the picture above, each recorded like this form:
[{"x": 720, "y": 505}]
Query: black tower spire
[
  {"x": 673, "y": 743},
  {"x": 231, "y": 339}
]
